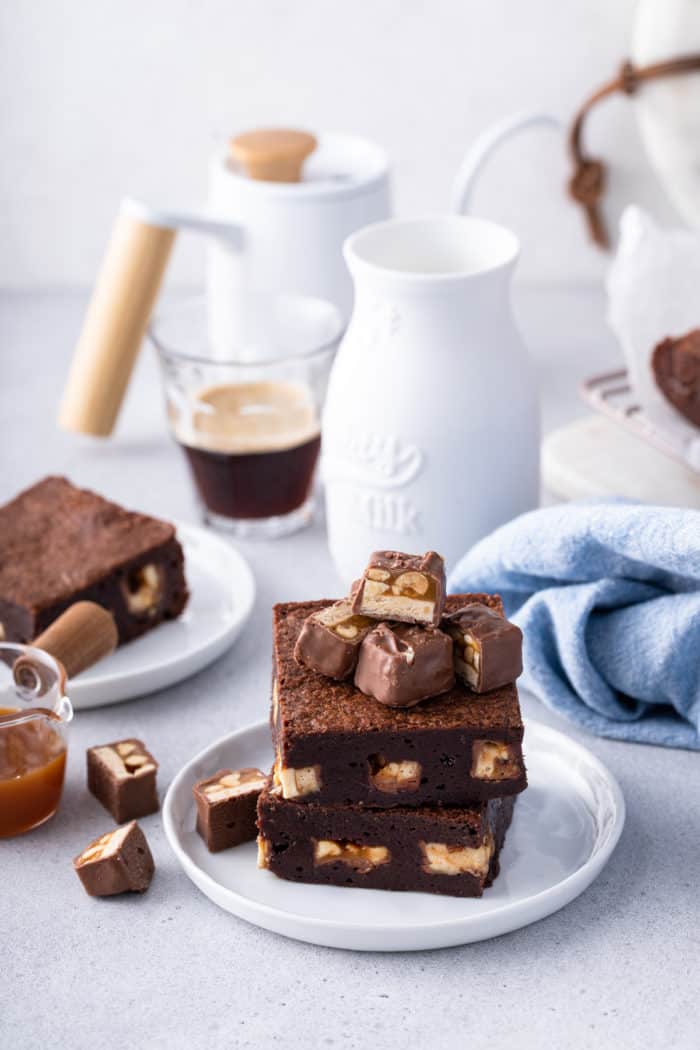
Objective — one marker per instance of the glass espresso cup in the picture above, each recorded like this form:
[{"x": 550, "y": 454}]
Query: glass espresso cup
[{"x": 245, "y": 406}]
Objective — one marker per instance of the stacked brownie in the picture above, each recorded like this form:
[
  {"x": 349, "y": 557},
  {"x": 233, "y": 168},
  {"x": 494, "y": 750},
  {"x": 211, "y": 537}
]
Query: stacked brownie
[{"x": 397, "y": 735}]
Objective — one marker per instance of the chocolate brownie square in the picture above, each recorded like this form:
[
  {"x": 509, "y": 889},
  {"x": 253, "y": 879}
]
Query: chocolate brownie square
[
  {"x": 60, "y": 544},
  {"x": 335, "y": 745}
]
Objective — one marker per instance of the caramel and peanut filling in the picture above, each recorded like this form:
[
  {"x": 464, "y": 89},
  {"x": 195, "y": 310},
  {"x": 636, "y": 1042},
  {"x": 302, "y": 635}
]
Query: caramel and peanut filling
[
  {"x": 394, "y": 777},
  {"x": 467, "y": 656},
  {"x": 360, "y": 858},
  {"x": 125, "y": 759},
  {"x": 410, "y": 593},
  {"x": 494, "y": 760},
  {"x": 295, "y": 783},
  {"x": 441, "y": 858},
  {"x": 142, "y": 590},
  {"x": 340, "y": 619},
  {"x": 232, "y": 785}
]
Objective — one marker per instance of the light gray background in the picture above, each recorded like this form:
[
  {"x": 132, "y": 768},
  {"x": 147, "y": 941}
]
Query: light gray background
[
  {"x": 102, "y": 99},
  {"x": 615, "y": 970}
]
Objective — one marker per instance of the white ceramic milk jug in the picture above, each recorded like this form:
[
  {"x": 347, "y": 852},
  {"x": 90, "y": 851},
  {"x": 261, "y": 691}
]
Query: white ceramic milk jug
[{"x": 431, "y": 424}]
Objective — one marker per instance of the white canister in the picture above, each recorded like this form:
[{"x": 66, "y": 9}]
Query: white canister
[
  {"x": 431, "y": 425},
  {"x": 287, "y": 237}
]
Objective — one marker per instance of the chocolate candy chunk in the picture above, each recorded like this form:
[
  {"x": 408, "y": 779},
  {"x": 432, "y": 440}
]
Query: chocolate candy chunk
[
  {"x": 676, "y": 367},
  {"x": 118, "y": 862},
  {"x": 488, "y": 648},
  {"x": 409, "y": 588},
  {"x": 401, "y": 664},
  {"x": 329, "y": 641},
  {"x": 226, "y": 805},
  {"x": 430, "y": 849},
  {"x": 122, "y": 776}
]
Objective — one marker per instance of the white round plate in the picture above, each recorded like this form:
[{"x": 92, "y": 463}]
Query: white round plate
[
  {"x": 222, "y": 591},
  {"x": 564, "y": 829}
]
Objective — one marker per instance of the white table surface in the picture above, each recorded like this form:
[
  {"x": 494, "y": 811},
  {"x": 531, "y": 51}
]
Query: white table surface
[{"x": 617, "y": 968}]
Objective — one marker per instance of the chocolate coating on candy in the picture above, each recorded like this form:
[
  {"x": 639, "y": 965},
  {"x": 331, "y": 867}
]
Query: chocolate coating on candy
[
  {"x": 487, "y": 647},
  {"x": 676, "y": 367},
  {"x": 118, "y": 862},
  {"x": 122, "y": 776},
  {"x": 402, "y": 664},
  {"x": 226, "y": 804},
  {"x": 329, "y": 641},
  {"x": 408, "y": 588}
]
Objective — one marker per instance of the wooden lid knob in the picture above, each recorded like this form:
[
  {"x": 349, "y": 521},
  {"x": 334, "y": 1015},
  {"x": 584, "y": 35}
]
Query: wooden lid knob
[
  {"x": 82, "y": 635},
  {"x": 272, "y": 154}
]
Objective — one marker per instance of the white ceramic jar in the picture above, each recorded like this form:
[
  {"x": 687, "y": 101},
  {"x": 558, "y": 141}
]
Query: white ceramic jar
[{"x": 431, "y": 424}]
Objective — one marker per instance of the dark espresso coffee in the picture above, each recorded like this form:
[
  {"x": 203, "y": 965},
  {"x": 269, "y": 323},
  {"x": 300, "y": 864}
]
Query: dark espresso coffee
[{"x": 252, "y": 448}]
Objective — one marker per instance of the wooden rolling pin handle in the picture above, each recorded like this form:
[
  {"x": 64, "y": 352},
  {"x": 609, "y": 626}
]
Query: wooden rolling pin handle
[
  {"x": 272, "y": 154},
  {"x": 115, "y": 323},
  {"x": 84, "y": 634}
]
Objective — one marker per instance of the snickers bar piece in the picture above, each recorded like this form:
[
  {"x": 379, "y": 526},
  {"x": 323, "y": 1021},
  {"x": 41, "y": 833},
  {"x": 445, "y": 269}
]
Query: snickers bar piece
[
  {"x": 409, "y": 588},
  {"x": 676, "y": 367},
  {"x": 329, "y": 641},
  {"x": 118, "y": 862},
  {"x": 61, "y": 544},
  {"x": 401, "y": 664},
  {"x": 334, "y": 744},
  {"x": 488, "y": 648},
  {"x": 444, "y": 850},
  {"x": 122, "y": 776},
  {"x": 226, "y": 807}
]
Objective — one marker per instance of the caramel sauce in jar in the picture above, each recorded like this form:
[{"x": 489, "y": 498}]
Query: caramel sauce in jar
[{"x": 32, "y": 768}]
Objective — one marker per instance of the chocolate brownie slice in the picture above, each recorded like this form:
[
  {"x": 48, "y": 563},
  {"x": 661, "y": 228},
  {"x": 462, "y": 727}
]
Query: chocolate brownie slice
[
  {"x": 60, "y": 544},
  {"x": 444, "y": 850},
  {"x": 336, "y": 745}
]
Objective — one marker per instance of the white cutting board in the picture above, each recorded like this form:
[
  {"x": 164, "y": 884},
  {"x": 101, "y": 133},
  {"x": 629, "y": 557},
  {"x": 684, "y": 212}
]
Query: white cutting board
[{"x": 595, "y": 457}]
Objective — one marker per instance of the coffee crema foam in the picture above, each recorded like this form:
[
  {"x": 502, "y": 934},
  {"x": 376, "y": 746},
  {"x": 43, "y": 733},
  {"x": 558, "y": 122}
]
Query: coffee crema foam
[{"x": 249, "y": 417}]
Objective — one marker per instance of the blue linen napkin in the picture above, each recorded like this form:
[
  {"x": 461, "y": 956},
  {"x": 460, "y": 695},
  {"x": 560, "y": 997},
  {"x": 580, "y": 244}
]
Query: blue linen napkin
[{"x": 608, "y": 599}]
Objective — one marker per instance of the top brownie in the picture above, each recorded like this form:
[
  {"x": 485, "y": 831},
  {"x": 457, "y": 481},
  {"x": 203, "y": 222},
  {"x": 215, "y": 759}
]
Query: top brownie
[
  {"x": 60, "y": 544},
  {"x": 334, "y": 744}
]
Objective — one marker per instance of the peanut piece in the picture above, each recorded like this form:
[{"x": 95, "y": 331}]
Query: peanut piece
[
  {"x": 443, "y": 859},
  {"x": 373, "y": 589},
  {"x": 411, "y": 581},
  {"x": 378, "y": 574},
  {"x": 347, "y": 630}
]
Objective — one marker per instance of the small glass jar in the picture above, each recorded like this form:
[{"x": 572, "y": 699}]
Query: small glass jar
[{"x": 34, "y": 715}]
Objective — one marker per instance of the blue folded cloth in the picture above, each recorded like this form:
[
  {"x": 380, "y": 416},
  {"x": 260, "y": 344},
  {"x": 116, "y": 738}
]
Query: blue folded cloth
[{"x": 608, "y": 598}]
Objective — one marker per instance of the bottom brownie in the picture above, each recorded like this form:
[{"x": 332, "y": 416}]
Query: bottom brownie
[{"x": 446, "y": 850}]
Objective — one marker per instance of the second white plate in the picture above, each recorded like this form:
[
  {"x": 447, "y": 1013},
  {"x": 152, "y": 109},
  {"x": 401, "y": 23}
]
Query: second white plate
[
  {"x": 565, "y": 827},
  {"x": 222, "y": 592}
]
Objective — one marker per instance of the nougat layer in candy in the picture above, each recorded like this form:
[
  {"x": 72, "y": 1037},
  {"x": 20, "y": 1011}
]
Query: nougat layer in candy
[
  {"x": 118, "y": 862},
  {"x": 329, "y": 641},
  {"x": 488, "y": 648},
  {"x": 122, "y": 776},
  {"x": 409, "y": 588},
  {"x": 402, "y": 664},
  {"x": 334, "y": 744},
  {"x": 443, "y": 850},
  {"x": 226, "y": 806}
]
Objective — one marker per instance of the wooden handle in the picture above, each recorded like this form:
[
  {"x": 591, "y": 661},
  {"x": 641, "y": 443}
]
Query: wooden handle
[
  {"x": 82, "y": 635},
  {"x": 115, "y": 324},
  {"x": 272, "y": 155}
]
